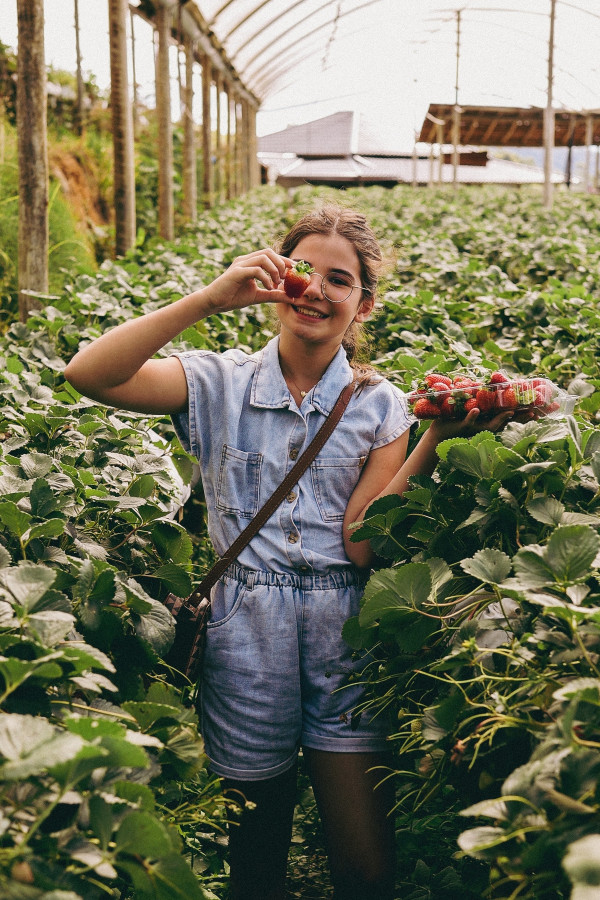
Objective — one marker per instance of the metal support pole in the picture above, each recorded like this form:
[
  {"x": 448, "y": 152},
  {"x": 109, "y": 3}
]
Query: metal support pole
[{"x": 549, "y": 115}]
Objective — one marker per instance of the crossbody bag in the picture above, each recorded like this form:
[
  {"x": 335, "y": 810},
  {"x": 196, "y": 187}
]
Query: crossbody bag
[{"x": 191, "y": 613}]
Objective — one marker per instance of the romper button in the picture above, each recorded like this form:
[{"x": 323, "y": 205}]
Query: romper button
[
  {"x": 293, "y": 453},
  {"x": 293, "y": 537},
  {"x": 291, "y": 497}
]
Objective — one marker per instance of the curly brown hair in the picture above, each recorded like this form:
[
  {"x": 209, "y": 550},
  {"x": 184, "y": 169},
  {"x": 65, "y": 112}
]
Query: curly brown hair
[{"x": 332, "y": 218}]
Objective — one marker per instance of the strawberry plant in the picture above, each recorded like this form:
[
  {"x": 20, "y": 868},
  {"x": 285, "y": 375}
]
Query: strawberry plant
[{"x": 481, "y": 619}]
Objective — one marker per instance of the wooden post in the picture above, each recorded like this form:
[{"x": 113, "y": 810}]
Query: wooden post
[
  {"x": 122, "y": 128},
  {"x": 165, "y": 127},
  {"x": 415, "y": 161},
  {"x": 206, "y": 134},
  {"x": 218, "y": 138},
  {"x": 440, "y": 140},
  {"x": 239, "y": 125},
  {"x": 549, "y": 116},
  {"x": 589, "y": 136},
  {"x": 245, "y": 135},
  {"x": 229, "y": 145},
  {"x": 134, "y": 105},
  {"x": 190, "y": 181},
  {"x": 32, "y": 154},
  {"x": 455, "y": 142},
  {"x": 254, "y": 166},
  {"x": 79, "y": 123}
]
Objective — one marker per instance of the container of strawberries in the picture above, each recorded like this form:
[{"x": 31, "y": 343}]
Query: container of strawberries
[{"x": 440, "y": 396}]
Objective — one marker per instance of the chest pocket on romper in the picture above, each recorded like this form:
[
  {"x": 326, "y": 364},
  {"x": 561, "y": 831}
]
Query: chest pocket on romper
[
  {"x": 334, "y": 479},
  {"x": 238, "y": 485}
]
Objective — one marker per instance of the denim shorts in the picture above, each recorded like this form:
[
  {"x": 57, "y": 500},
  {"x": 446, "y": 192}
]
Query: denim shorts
[{"x": 276, "y": 670}]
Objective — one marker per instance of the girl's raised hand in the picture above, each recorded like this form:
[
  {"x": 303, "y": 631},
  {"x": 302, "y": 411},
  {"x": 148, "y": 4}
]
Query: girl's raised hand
[{"x": 253, "y": 278}]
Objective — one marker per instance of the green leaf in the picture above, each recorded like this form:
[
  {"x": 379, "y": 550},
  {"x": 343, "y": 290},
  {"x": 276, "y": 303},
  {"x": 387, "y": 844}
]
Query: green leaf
[
  {"x": 50, "y": 626},
  {"x": 354, "y": 635},
  {"x": 175, "y": 579},
  {"x": 531, "y": 569},
  {"x": 482, "y": 842},
  {"x": 42, "y": 498},
  {"x": 172, "y": 541},
  {"x": 31, "y": 745},
  {"x": 393, "y": 588},
  {"x": 142, "y": 486},
  {"x": 36, "y": 465},
  {"x": 489, "y": 565},
  {"x": 14, "y": 518},
  {"x": 102, "y": 820},
  {"x": 170, "y": 878},
  {"x": 27, "y": 583},
  {"x": 547, "y": 510},
  {"x": 581, "y": 862},
  {"x": 50, "y": 528},
  {"x": 140, "y": 834},
  {"x": 156, "y": 627},
  {"x": 571, "y": 552}
]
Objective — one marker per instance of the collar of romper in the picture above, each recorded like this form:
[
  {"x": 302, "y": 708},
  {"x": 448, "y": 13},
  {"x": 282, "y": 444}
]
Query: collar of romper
[{"x": 269, "y": 389}]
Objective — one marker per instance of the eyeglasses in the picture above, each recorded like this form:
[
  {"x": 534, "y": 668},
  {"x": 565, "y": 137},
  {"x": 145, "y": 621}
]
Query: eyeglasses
[{"x": 337, "y": 287}]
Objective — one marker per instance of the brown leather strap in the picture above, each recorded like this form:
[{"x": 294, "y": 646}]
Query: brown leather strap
[{"x": 266, "y": 511}]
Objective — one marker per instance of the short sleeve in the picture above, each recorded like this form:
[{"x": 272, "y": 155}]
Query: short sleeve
[{"x": 392, "y": 409}]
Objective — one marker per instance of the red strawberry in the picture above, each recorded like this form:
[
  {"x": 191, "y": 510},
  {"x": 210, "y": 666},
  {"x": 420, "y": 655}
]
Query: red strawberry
[
  {"x": 450, "y": 406},
  {"x": 486, "y": 400},
  {"x": 468, "y": 385},
  {"x": 296, "y": 280},
  {"x": 542, "y": 391},
  {"x": 425, "y": 409},
  {"x": 434, "y": 378},
  {"x": 508, "y": 398},
  {"x": 498, "y": 378},
  {"x": 439, "y": 387},
  {"x": 470, "y": 404}
]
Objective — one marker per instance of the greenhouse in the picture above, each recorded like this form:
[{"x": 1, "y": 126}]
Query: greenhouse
[{"x": 299, "y": 450}]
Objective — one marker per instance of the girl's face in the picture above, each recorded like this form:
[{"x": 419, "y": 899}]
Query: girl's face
[{"x": 312, "y": 317}]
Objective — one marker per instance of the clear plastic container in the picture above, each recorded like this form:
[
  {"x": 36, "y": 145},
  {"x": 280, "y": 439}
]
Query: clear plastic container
[{"x": 438, "y": 400}]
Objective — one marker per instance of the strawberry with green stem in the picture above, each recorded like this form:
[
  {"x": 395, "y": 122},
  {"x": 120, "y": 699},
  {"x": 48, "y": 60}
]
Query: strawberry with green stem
[{"x": 297, "y": 279}]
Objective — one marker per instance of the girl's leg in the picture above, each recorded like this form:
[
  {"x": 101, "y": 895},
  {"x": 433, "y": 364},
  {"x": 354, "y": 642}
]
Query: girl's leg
[
  {"x": 359, "y": 831},
  {"x": 259, "y": 839}
]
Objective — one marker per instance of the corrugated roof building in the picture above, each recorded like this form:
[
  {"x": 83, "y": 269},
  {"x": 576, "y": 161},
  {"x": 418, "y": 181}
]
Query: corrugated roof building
[{"x": 343, "y": 149}]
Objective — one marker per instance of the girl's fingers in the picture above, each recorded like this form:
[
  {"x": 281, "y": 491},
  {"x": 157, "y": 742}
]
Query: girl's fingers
[
  {"x": 270, "y": 266},
  {"x": 272, "y": 296}
]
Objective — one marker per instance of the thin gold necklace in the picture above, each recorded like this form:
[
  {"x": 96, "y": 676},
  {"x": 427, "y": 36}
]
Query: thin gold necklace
[{"x": 302, "y": 393}]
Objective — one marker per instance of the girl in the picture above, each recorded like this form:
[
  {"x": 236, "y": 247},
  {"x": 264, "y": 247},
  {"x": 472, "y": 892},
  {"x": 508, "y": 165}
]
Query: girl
[{"x": 275, "y": 657}]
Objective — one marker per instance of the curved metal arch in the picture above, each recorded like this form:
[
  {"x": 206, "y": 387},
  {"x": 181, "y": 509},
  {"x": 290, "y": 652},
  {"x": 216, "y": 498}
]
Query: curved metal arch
[
  {"x": 248, "y": 75},
  {"x": 245, "y": 18},
  {"x": 263, "y": 84},
  {"x": 311, "y": 33},
  {"x": 256, "y": 34},
  {"x": 284, "y": 66}
]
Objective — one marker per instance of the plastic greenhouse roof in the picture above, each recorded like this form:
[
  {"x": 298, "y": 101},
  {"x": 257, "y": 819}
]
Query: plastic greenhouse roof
[{"x": 265, "y": 38}]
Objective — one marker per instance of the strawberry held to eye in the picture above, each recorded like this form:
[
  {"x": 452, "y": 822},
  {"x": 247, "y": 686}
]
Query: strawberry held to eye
[{"x": 296, "y": 280}]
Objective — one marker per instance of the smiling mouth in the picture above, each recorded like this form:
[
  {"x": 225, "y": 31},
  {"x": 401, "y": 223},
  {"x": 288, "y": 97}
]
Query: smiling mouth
[{"x": 313, "y": 313}]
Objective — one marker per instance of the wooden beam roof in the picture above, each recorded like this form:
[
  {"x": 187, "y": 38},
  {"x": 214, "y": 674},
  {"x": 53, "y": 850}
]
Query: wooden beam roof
[{"x": 503, "y": 126}]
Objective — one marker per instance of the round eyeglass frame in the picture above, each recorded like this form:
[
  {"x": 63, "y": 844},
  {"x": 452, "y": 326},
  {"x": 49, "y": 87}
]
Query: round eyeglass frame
[{"x": 328, "y": 298}]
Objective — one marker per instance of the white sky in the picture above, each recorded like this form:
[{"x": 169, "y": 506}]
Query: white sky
[{"x": 389, "y": 60}]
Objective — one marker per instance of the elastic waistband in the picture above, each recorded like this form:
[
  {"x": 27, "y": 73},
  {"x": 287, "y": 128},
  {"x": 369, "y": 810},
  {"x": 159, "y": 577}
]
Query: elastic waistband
[{"x": 342, "y": 578}]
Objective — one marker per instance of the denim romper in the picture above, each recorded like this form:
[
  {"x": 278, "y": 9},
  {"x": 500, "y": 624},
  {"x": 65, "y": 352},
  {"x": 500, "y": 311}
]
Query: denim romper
[{"x": 276, "y": 665}]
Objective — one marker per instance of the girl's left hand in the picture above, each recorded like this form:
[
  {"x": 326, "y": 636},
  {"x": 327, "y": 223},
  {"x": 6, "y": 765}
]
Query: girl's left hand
[{"x": 472, "y": 424}]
